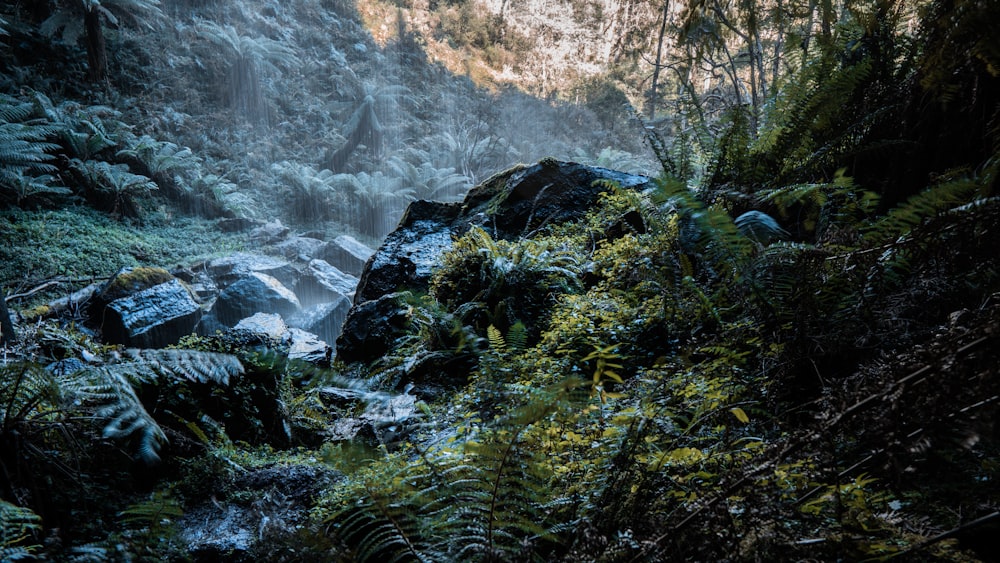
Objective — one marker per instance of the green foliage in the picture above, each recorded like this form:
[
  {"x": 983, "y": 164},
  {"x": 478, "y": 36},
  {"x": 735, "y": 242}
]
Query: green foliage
[
  {"x": 314, "y": 194},
  {"x": 155, "y": 515},
  {"x": 67, "y": 22},
  {"x": 430, "y": 183},
  {"x": 476, "y": 499},
  {"x": 78, "y": 242},
  {"x": 25, "y": 154},
  {"x": 248, "y": 57},
  {"x": 511, "y": 280},
  {"x": 17, "y": 525},
  {"x": 112, "y": 187},
  {"x": 160, "y": 158}
]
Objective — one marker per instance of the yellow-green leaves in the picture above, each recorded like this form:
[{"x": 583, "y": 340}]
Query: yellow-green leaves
[
  {"x": 604, "y": 370},
  {"x": 740, "y": 415}
]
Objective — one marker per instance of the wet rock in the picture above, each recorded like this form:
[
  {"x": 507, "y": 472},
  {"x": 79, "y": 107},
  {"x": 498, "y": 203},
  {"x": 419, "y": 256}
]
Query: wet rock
[
  {"x": 308, "y": 347},
  {"x": 270, "y": 232},
  {"x": 512, "y": 204},
  {"x": 347, "y": 254},
  {"x": 269, "y": 329},
  {"x": 237, "y": 224},
  {"x": 371, "y": 328},
  {"x": 323, "y": 319},
  {"x": 264, "y": 326},
  {"x": 261, "y": 509},
  {"x": 322, "y": 283},
  {"x": 255, "y": 293},
  {"x": 300, "y": 248},
  {"x": 386, "y": 421},
  {"x": 224, "y": 271},
  {"x": 408, "y": 255},
  {"x": 151, "y": 318},
  {"x": 517, "y": 203},
  {"x": 126, "y": 281}
]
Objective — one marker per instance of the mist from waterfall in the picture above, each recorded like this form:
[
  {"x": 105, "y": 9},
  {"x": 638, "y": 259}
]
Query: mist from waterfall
[{"x": 301, "y": 115}]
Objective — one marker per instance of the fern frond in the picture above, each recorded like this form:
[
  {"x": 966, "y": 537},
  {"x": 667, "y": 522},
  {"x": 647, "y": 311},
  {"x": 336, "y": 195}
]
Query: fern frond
[
  {"x": 17, "y": 524},
  {"x": 127, "y": 416},
  {"x": 922, "y": 206},
  {"x": 497, "y": 341},
  {"x": 193, "y": 365}
]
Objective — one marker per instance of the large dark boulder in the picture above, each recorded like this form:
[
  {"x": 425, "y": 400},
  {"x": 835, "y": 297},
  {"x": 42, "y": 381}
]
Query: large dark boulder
[
  {"x": 408, "y": 254},
  {"x": 371, "y": 329},
  {"x": 151, "y": 318},
  {"x": 515, "y": 203},
  {"x": 520, "y": 202}
]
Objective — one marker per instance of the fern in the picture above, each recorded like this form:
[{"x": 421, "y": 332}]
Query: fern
[
  {"x": 25, "y": 152},
  {"x": 113, "y": 187},
  {"x": 112, "y": 388},
  {"x": 248, "y": 57},
  {"x": 17, "y": 525},
  {"x": 922, "y": 206},
  {"x": 159, "y": 157},
  {"x": 313, "y": 193},
  {"x": 67, "y": 21},
  {"x": 478, "y": 500},
  {"x": 155, "y": 514},
  {"x": 430, "y": 183}
]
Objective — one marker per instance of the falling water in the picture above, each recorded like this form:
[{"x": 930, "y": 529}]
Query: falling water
[{"x": 307, "y": 115}]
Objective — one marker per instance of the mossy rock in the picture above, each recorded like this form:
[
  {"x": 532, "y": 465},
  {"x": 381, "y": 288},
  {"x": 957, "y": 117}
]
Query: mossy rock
[{"x": 128, "y": 281}]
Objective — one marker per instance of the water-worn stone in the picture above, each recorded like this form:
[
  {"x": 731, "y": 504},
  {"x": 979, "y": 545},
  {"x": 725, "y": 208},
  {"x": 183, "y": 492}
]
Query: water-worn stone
[
  {"x": 322, "y": 283},
  {"x": 151, "y": 318},
  {"x": 308, "y": 347},
  {"x": 347, "y": 254},
  {"x": 255, "y": 293},
  {"x": 270, "y": 232},
  {"x": 300, "y": 248},
  {"x": 228, "y": 269},
  {"x": 265, "y": 326},
  {"x": 258, "y": 510},
  {"x": 323, "y": 319}
]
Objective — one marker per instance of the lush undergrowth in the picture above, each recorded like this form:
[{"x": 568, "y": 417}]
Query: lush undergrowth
[
  {"x": 78, "y": 243},
  {"x": 655, "y": 382}
]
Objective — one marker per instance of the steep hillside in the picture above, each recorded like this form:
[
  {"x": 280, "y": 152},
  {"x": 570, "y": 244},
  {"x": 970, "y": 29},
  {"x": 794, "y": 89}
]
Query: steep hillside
[{"x": 780, "y": 343}]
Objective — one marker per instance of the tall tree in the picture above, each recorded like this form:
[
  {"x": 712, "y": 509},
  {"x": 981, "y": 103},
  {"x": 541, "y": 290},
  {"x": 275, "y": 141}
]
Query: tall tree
[{"x": 658, "y": 62}]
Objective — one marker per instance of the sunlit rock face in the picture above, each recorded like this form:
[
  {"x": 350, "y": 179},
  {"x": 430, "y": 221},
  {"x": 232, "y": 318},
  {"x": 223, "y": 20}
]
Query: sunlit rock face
[{"x": 517, "y": 203}]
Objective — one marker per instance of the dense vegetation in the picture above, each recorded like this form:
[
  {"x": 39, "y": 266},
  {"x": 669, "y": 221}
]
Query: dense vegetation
[{"x": 657, "y": 381}]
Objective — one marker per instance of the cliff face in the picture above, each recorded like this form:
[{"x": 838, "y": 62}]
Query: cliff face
[{"x": 539, "y": 46}]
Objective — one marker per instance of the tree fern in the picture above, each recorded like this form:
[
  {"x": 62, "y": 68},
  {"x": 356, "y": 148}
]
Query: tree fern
[
  {"x": 159, "y": 157},
  {"x": 25, "y": 152},
  {"x": 112, "y": 187},
  {"x": 247, "y": 58}
]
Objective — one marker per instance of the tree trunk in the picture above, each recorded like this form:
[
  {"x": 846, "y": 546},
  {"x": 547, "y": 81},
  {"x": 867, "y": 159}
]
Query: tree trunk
[
  {"x": 7, "y": 334},
  {"x": 656, "y": 64},
  {"x": 97, "y": 55}
]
